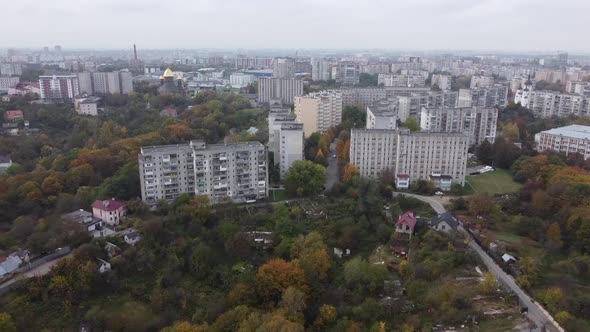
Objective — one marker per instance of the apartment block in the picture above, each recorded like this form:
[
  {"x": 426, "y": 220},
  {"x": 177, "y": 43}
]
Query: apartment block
[
  {"x": 409, "y": 106},
  {"x": 375, "y": 68},
  {"x": 403, "y": 80},
  {"x": 320, "y": 69},
  {"x": 58, "y": 87},
  {"x": 348, "y": 73},
  {"x": 291, "y": 144},
  {"x": 411, "y": 156},
  {"x": 578, "y": 87},
  {"x": 284, "y": 89},
  {"x": 481, "y": 82},
  {"x": 551, "y": 103},
  {"x": 11, "y": 69},
  {"x": 442, "y": 81},
  {"x": 492, "y": 96},
  {"x": 319, "y": 111},
  {"x": 224, "y": 172},
  {"x": 479, "y": 123},
  {"x": 283, "y": 68},
  {"x": 8, "y": 82},
  {"x": 567, "y": 140},
  {"x": 362, "y": 97},
  {"x": 276, "y": 117},
  {"x": 116, "y": 82},
  {"x": 382, "y": 115}
]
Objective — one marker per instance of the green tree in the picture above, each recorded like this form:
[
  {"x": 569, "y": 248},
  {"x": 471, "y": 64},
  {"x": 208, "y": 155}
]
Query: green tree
[
  {"x": 552, "y": 298},
  {"x": 485, "y": 152},
  {"x": 488, "y": 285},
  {"x": 6, "y": 323},
  {"x": 305, "y": 178},
  {"x": 412, "y": 124}
]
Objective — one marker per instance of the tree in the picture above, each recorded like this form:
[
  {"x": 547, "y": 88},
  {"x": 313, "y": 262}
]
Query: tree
[
  {"x": 563, "y": 317},
  {"x": 488, "y": 285},
  {"x": 311, "y": 255},
  {"x": 326, "y": 316},
  {"x": 6, "y": 323},
  {"x": 276, "y": 276},
  {"x": 350, "y": 171},
  {"x": 511, "y": 132},
  {"x": 305, "y": 178},
  {"x": 480, "y": 204},
  {"x": 554, "y": 236},
  {"x": 551, "y": 298},
  {"x": 412, "y": 124},
  {"x": 320, "y": 158},
  {"x": 293, "y": 302},
  {"x": 52, "y": 185},
  {"x": 505, "y": 153},
  {"x": 485, "y": 152}
]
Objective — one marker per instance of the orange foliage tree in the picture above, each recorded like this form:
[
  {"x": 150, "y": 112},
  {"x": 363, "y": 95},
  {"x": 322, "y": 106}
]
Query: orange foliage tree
[{"x": 276, "y": 276}]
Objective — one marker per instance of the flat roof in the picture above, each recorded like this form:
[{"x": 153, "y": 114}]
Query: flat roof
[{"x": 575, "y": 131}]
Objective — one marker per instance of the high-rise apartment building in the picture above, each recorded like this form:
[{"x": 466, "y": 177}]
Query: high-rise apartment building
[
  {"x": 8, "y": 82},
  {"x": 11, "y": 69},
  {"x": 382, "y": 114},
  {"x": 492, "y": 96},
  {"x": 58, "y": 87},
  {"x": 567, "y": 140},
  {"x": 410, "y": 79},
  {"x": 276, "y": 117},
  {"x": 481, "y": 82},
  {"x": 552, "y": 103},
  {"x": 283, "y": 68},
  {"x": 410, "y": 105},
  {"x": 442, "y": 81},
  {"x": 320, "y": 69},
  {"x": 116, "y": 82},
  {"x": 224, "y": 172},
  {"x": 291, "y": 144},
  {"x": 375, "y": 68},
  {"x": 319, "y": 111},
  {"x": 284, "y": 89},
  {"x": 362, "y": 97},
  {"x": 411, "y": 156},
  {"x": 348, "y": 73},
  {"x": 578, "y": 87},
  {"x": 479, "y": 123}
]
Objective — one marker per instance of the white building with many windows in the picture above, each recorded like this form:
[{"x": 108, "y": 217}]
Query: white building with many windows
[
  {"x": 224, "y": 172},
  {"x": 284, "y": 89},
  {"x": 319, "y": 111},
  {"x": 478, "y": 122},
  {"x": 291, "y": 144},
  {"x": 568, "y": 140}
]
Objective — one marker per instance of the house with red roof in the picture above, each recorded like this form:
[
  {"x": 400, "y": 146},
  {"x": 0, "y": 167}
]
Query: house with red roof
[
  {"x": 13, "y": 115},
  {"x": 406, "y": 223},
  {"x": 110, "y": 211},
  {"x": 169, "y": 112}
]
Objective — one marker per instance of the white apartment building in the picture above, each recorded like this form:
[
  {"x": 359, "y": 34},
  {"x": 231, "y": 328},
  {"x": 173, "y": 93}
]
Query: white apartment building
[
  {"x": 224, "y": 172},
  {"x": 382, "y": 115},
  {"x": 481, "y": 82},
  {"x": 284, "y": 89},
  {"x": 362, "y": 97},
  {"x": 551, "y": 103},
  {"x": 276, "y": 117},
  {"x": 8, "y": 82},
  {"x": 410, "y": 155},
  {"x": 319, "y": 111},
  {"x": 291, "y": 144},
  {"x": 241, "y": 80},
  {"x": 568, "y": 140},
  {"x": 479, "y": 123},
  {"x": 403, "y": 80},
  {"x": 375, "y": 68},
  {"x": 11, "y": 69},
  {"x": 578, "y": 87},
  {"x": 492, "y": 96},
  {"x": 409, "y": 106},
  {"x": 116, "y": 82},
  {"x": 283, "y": 68},
  {"x": 320, "y": 69},
  {"x": 442, "y": 81},
  {"x": 347, "y": 73},
  {"x": 58, "y": 87}
]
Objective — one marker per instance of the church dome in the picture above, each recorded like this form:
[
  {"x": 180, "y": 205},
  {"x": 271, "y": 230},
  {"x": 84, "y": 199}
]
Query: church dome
[{"x": 168, "y": 73}]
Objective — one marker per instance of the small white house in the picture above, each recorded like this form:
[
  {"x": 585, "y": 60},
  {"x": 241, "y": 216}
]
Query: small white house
[
  {"x": 402, "y": 181},
  {"x": 102, "y": 265}
]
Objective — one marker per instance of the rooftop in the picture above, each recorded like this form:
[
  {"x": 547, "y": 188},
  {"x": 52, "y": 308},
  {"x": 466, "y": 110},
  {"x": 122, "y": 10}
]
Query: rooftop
[
  {"x": 574, "y": 131},
  {"x": 108, "y": 205},
  {"x": 292, "y": 126}
]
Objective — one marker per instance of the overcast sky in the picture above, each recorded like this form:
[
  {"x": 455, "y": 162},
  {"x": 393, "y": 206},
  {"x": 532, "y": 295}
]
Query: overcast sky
[{"x": 512, "y": 25}]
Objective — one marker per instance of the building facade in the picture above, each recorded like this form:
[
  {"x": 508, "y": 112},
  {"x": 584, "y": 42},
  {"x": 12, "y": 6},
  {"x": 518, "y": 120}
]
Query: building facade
[
  {"x": 442, "y": 81},
  {"x": 413, "y": 155},
  {"x": 8, "y": 82},
  {"x": 567, "y": 140},
  {"x": 319, "y": 111},
  {"x": 320, "y": 69},
  {"x": 240, "y": 80},
  {"x": 362, "y": 97},
  {"x": 283, "y": 68},
  {"x": 58, "y": 87},
  {"x": 492, "y": 96},
  {"x": 552, "y": 103},
  {"x": 116, "y": 82},
  {"x": 578, "y": 87},
  {"x": 382, "y": 115},
  {"x": 11, "y": 69},
  {"x": 481, "y": 82},
  {"x": 411, "y": 79},
  {"x": 284, "y": 89},
  {"x": 224, "y": 172},
  {"x": 291, "y": 144},
  {"x": 410, "y": 105},
  {"x": 479, "y": 123},
  {"x": 348, "y": 73}
]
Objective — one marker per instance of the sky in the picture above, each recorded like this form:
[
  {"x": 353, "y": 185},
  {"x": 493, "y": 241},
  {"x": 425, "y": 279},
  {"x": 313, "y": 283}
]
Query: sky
[{"x": 494, "y": 25}]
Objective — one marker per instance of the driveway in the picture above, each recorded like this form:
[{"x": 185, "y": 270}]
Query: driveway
[
  {"x": 332, "y": 169},
  {"x": 536, "y": 313}
]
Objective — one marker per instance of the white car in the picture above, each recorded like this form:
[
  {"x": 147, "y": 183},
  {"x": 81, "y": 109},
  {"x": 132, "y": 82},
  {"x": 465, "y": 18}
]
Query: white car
[
  {"x": 439, "y": 193},
  {"x": 333, "y": 156}
]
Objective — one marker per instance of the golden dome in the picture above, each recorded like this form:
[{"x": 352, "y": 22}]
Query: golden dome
[
  {"x": 161, "y": 77},
  {"x": 168, "y": 73}
]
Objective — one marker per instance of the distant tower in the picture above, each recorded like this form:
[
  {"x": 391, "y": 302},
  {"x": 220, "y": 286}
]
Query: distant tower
[
  {"x": 134, "y": 53},
  {"x": 57, "y": 48}
]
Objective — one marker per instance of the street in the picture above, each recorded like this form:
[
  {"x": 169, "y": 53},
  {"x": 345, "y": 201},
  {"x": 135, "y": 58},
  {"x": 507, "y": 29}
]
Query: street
[
  {"x": 536, "y": 313},
  {"x": 332, "y": 169},
  {"x": 36, "y": 272}
]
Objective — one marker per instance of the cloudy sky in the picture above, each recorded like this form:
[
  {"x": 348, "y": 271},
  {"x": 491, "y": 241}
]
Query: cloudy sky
[{"x": 511, "y": 25}]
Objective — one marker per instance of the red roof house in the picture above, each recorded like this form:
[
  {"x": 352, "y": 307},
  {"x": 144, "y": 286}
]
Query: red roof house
[
  {"x": 110, "y": 211},
  {"x": 169, "y": 112},
  {"x": 406, "y": 223},
  {"x": 14, "y": 115}
]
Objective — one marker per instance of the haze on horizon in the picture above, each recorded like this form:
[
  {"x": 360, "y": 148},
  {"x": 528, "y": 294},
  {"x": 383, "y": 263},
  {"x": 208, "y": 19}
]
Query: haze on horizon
[{"x": 503, "y": 25}]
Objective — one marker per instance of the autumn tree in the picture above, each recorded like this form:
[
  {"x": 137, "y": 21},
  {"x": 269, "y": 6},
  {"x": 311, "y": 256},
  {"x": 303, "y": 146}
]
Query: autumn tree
[
  {"x": 311, "y": 255},
  {"x": 326, "y": 316},
  {"x": 305, "y": 178},
  {"x": 6, "y": 323},
  {"x": 350, "y": 171},
  {"x": 480, "y": 204},
  {"x": 551, "y": 298},
  {"x": 276, "y": 276},
  {"x": 293, "y": 302},
  {"x": 412, "y": 124},
  {"x": 488, "y": 285},
  {"x": 554, "y": 236},
  {"x": 511, "y": 132}
]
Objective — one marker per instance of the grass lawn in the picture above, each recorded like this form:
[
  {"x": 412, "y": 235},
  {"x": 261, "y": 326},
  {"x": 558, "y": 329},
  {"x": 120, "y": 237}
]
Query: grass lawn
[
  {"x": 496, "y": 182},
  {"x": 278, "y": 195}
]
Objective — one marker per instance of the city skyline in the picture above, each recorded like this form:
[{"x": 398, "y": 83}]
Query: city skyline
[{"x": 487, "y": 25}]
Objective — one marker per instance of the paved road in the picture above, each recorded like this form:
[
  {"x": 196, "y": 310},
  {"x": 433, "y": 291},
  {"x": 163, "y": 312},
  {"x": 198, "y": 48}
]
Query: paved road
[
  {"x": 536, "y": 313},
  {"x": 332, "y": 169}
]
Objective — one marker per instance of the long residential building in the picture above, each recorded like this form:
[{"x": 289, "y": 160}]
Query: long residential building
[
  {"x": 444, "y": 82},
  {"x": 224, "y": 172},
  {"x": 411, "y": 156},
  {"x": 481, "y": 82},
  {"x": 319, "y": 111},
  {"x": 409, "y": 106},
  {"x": 382, "y": 114},
  {"x": 7, "y": 82},
  {"x": 58, "y": 87},
  {"x": 320, "y": 69},
  {"x": 362, "y": 97},
  {"x": 285, "y": 89},
  {"x": 116, "y": 82},
  {"x": 348, "y": 73},
  {"x": 479, "y": 123},
  {"x": 568, "y": 140},
  {"x": 552, "y": 103},
  {"x": 283, "y": 68},
  {"x": 491, "y": 96},
  {"x": 403, "y": 80},
  {"x": 291, "y": 143}
]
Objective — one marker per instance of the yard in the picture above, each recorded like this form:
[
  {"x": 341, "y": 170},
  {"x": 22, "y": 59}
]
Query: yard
[{"x": 496, "y": 182}]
